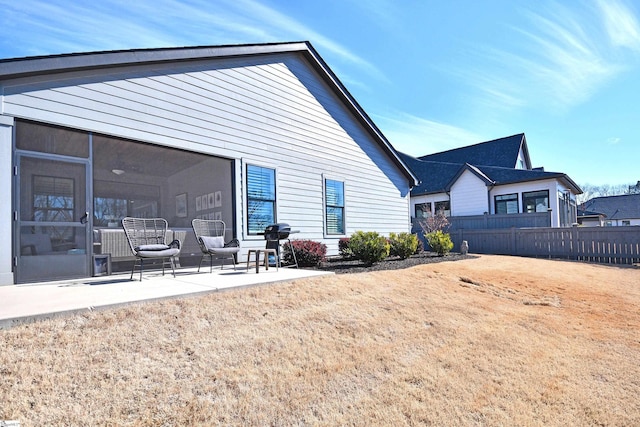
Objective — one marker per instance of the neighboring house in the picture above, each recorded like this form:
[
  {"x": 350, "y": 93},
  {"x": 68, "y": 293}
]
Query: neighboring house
[
  {"x": 590, "y": 219},
  {"x": 251, "y": 134},
  {"x": 493, "y": 177},
  {"x": 617, "y": 210}
]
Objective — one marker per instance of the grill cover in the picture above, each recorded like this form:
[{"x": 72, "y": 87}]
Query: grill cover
[{"x": 277, "y": 231}]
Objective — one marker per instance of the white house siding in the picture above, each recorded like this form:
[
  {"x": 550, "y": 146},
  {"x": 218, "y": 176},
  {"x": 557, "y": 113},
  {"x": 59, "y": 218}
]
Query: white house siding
[
  {"x": 521, "y": 163},
  {"x": 592, "y": 223},
  {"x": 468, "y": 195},
  {"x": 619, "y": 222},
  {"x": 272, "y": 111}
]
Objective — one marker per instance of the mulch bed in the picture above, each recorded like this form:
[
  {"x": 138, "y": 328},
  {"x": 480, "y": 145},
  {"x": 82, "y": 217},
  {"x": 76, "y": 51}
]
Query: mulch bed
[{"x": 340, "y": 266}]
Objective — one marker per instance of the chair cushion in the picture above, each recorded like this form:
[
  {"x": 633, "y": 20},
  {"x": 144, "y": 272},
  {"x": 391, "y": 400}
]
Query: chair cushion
[
  {"x": 165, "y": 253},
  {"x": 153, "y": 247},
  {"x": 210, "y": 242},
  {"x": 223, "y": 251}
]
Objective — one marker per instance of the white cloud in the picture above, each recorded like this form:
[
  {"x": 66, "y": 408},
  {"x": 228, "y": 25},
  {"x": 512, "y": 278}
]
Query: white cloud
[
  {"x": 384, "y": 13},
  {"x": 55, "y": 27},
  {"x": 621, "y": 24},
  {"x": 571, "y": 62},
  {"x": 418, "y": 137},
  {"x": 288, "y": 27},
  {"x": 559, "y": 60}
]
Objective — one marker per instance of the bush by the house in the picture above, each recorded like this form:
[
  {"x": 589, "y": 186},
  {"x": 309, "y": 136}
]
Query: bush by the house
[
  {"x": 343, "y": 248},
  {"x": 308, "y": 253},
  {"x": 439, "y": 242},
  {"x": 369, "y": 247},
  {"x": 402, "y": 245}
]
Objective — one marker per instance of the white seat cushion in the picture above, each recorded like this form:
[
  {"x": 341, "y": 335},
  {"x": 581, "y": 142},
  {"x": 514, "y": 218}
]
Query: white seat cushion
[{"x": 211, "y": 242}]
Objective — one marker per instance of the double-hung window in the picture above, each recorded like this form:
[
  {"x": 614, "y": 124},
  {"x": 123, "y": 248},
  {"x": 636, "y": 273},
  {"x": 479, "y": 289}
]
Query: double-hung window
[
  {"x": 507, "y": 204},
  {"x": 261, "y": 198},
  {"x": 334, "y": 206}
]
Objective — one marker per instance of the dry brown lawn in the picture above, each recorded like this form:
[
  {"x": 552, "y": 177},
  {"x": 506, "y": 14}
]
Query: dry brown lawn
[{"x": 486, "y": 341}]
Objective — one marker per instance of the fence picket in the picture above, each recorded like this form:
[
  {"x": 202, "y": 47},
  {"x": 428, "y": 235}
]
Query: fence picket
[{"x": 609, "y": 245}]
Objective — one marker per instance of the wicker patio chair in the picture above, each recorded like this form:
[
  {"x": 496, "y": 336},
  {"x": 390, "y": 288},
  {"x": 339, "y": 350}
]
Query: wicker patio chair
[
  {"x": 147, "y": 240},
  {"x": 210, "y": 237}
]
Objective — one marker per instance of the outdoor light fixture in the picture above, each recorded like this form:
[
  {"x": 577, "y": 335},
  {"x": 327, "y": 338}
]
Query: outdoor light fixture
[{"x": 117, "y": 171}]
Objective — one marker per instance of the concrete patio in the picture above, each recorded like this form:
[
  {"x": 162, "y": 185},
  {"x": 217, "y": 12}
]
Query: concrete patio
[{"x": 35, "y": 301}]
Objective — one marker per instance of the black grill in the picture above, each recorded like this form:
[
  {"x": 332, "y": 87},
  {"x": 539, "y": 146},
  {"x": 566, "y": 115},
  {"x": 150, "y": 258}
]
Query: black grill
[{"x": 276, "y": 232}]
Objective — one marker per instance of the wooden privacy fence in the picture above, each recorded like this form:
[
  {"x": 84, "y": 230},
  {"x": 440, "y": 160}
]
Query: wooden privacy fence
[
  {"x": 608, "y": 245},
  {"x": 485, "y": 222}
]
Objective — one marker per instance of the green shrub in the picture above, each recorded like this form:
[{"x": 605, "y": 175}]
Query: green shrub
[
  {"x": 343, "y": 248},
  {"x": 308, "y": 253},
  {"x": 403, "y": 245},
  {"x": 439, "y": 242},
  {"x": 369, "y": 247}
]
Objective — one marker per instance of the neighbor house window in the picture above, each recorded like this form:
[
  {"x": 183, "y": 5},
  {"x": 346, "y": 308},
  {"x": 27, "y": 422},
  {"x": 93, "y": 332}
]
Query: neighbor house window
[
  {"x": 334, "y": 205},
  {"x": 535, "y": 201},
  {"x": 507, "y": 204},
  {"x": 53, "y": 199},
  {"x": 444, "y": 207},
  {"x": 422, "y": 210},
  {"x": 109, "y": 211},
  {"x": 624, "y": 222},
  {"x": 261, "y": 198}
]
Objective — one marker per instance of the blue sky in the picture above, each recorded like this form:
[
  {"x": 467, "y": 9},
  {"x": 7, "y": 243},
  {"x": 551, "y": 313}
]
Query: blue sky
[{"x": 433, "y": 75}]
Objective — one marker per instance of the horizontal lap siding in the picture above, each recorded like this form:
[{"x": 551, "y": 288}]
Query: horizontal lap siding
[
  {"x": 469, "y": 195},
  {"x": 276, "y": 114}
]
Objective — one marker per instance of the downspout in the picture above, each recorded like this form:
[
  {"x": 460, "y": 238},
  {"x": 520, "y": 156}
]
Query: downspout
[{"x": 491, "y": 187}]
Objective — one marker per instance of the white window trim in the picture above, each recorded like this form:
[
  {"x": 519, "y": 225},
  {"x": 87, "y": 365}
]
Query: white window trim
[
  {"x": 245, "y": 202},
  {"x": 326, "y": 177}
]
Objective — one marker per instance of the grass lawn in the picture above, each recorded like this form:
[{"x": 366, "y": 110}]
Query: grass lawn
[{"x": 485, "y": 341}]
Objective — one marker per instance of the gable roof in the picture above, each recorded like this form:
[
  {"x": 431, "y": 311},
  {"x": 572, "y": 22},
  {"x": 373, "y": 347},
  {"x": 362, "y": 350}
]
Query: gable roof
[
  {"x": 626, "y": 206},
  {"x": 52, "y": 64},
  {"x": 474, "y": 170},
  {"x": 501, "y": 152},
  {"x": 438, "y": 177}
]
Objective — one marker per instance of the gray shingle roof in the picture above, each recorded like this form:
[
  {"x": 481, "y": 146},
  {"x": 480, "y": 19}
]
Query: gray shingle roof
[
  {"x": 437, "y": 177},
  {"x": 434, "y": 176},
  {"x": 626, "y": 206},
  {"x": 502, "y": 152}
]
